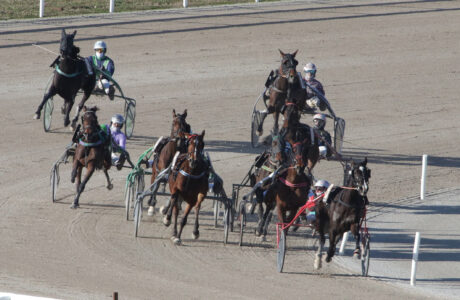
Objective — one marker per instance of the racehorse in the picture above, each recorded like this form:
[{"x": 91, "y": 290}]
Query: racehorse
[
  {"x": 294, "y": 131},
  {"x": 92, "y": 152},
  {"x": 166, "y": 150},
  {"x": 285, "y": 87},
  {"x": 70, "y": 75},
  {"x": 266, "y": 164},
  {"x": 188, "y": 182},
  {"x": 343, "y": 210}
]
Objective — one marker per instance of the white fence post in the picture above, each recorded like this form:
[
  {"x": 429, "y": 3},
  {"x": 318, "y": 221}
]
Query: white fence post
[
  {"x": 422, "y": 186},
  {"x": 344, "y": 241},
  {"x": 42, "y": 8},
  {"x": 415, "y": 258},
  {"x": 112, "y": 6},
  {"x": 185, "y": 3}
]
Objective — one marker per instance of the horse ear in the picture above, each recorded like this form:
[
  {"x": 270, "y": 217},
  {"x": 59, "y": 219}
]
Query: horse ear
[
  {"x": 365, "y": 161},
  {"x": 202, "y": 134},
  {"x": 281, "y": 52},
  {"x": 185, "y": 113},
  {"x": 84, "y": 109},
  {"x": 174, "y": 113},
  {"x": 74, "y": 33},
  {"x": 294, "y": 54},
  {"x": 63, "y": 34}
]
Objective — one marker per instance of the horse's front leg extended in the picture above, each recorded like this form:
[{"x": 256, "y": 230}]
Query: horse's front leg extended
[
  {"x": 81, "y": 186},
  {"x": 332, "y": 244},
  {"x": 172, "y": 203},
  {"x": 319, "y": 253},
  {"x": 51, "y": 92}
]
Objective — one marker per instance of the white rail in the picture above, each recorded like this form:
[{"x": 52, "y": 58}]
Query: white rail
[{"x": 41, "y": 12}]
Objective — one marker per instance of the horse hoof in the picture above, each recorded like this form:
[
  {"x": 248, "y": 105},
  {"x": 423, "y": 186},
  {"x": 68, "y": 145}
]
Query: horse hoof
[
  {"x": 163, "y": 210},
  {"x": 176, "y": 241},
  {"x": 328, "y": 259},
  {"x": 151, "y": 211},
  {"x": 195, "y": 235},
  {"x": 166, "y": 222},
  {"x": 74, "y": 206},
  {"x": 110, "y": 186},
  {"x": 263, "y": 238},
  {"x": 259, "y": 133},
  {"x": 36, "y": 116},
  {"x": 357, "y": 254},
  {"x": 73, "y": 126}
]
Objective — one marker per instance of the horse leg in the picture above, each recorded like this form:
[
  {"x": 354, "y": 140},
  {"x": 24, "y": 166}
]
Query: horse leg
[
  {"x": 267, "y": 219},
  {"x": 81, "y": 187},
  {"x": 68, "y": 108},
  {"x": 260, "y": 215},
  {"x": 262, "y": 115},
  {"x": 107, "y": 177},
  {"x": 153, "y": 200},
  {"x": 196, "y": 232},
  {"x": 172, "y": 203},
  {"x": 79, "y": 108},
  {"x": 176, "y": 236},
  {"x": 319, "y": 253},
  {"x": 354, "y": 231},
  {"x": 333, "y": 237},
  {"x": 51, "y": 92}
]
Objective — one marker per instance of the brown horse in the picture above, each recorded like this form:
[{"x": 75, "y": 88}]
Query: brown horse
[
  {"x": 343, "y": 210},
  {"x": 285, "y": 87},
  {"x": 188, "y": 181},
  {"x": 92, "y": 152},
  {"x": 166, "y": 150},
  {"x": 70, "y": 75},
  {"x": 294, "y": 131}
]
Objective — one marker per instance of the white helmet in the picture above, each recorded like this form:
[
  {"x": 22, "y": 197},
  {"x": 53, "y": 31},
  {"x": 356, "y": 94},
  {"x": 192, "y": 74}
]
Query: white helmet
[
  {"x": 100, "y": 45},
  {"x": 117, "y": 118},
  {"x": 319, "y": 117},
  {"x": 322, "y": 183},
  {"x": 310, "y": 68}
]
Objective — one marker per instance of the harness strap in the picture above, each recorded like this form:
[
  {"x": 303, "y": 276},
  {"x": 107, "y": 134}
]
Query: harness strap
[
  {"x": 60, "y": 72},
  {"x": 86, "y": 144},
  {"x": 294, "y": 185},
  {"x": 268, "y": 169},
  {"x": 192, "y": 176}
]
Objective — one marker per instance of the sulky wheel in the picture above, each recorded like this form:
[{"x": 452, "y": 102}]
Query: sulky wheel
[
  {"x": 281, "y": 252},
  {"x": 255, "y": 121},
  {"x": 339, "y": 131},
  {"x": 130, "y": 115},
  {"x": 129, "y": 196},
  {"x": 54, "y": 180},
  {"x": 242, "y": 222},
  {"x": 47, "y": 114},
  {"x": 365, "y": 254}
]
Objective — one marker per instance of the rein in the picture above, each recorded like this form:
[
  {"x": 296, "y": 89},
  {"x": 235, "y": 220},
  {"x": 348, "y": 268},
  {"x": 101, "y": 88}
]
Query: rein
[{"x": 293, "y": 185}]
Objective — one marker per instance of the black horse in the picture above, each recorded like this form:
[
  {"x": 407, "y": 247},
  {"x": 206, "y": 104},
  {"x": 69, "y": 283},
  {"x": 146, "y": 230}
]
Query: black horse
[
  {"x": 70, "y": 75},
  {"x": 343, "y": 210}
]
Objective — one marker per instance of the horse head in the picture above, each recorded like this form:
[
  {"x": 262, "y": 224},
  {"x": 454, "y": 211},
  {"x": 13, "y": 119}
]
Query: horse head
[
  {"x": 89, "y": 122},
  {"x": 358, "y": 176},
  {"x": 288, "y": 66},
  {"x": 195, "y": 149},
  {"x": 277, "y": 155},
  {"x": 66, "y": 47},
  {"x": 179, "y": 126}
]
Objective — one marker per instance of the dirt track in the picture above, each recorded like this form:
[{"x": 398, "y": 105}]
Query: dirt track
[{"x": 389, "y": 69}]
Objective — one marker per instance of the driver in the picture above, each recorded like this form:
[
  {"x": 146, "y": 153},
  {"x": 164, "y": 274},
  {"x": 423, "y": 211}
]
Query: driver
[
  {"x": 118, "y": 140},
  {"x": 319, "y": 121},
  {"x": 310, "y": 77},
  {"x": 101, "y": 61}
]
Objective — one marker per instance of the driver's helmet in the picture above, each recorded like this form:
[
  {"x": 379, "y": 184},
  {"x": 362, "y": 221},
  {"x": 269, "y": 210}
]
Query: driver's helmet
[
  {"x": 310, "y": 71},
  {"x": 101, "y": 48},
  {"x": 321, "y": 186},
  {"x": 320, "y": 121},
  {"x": 118, "y": 121}
]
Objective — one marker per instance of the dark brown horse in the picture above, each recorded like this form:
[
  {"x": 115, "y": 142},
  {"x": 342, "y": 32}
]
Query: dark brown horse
[
  {"x": 92, "y": 152},
  {"x": 293, "y": 131},
  {"x": 188, "y": 182},
  {"x": 286, "y": 87},
  {"x": 70, "y": 75},
  {"x": 343, "y": 210},
  {"x": 166, "y": 150}
]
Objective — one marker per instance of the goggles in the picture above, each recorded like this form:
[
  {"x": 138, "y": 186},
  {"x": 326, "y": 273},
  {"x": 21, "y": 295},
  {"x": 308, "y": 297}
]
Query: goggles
[
  {"x": 117, "y": 124},
  {"x": 99, "y": 50},
  {"x": 310, "y": 71}
]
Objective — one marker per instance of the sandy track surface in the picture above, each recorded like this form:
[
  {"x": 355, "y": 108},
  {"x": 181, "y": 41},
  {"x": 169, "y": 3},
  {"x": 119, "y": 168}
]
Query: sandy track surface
[{"x": 389, "y": 69}]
